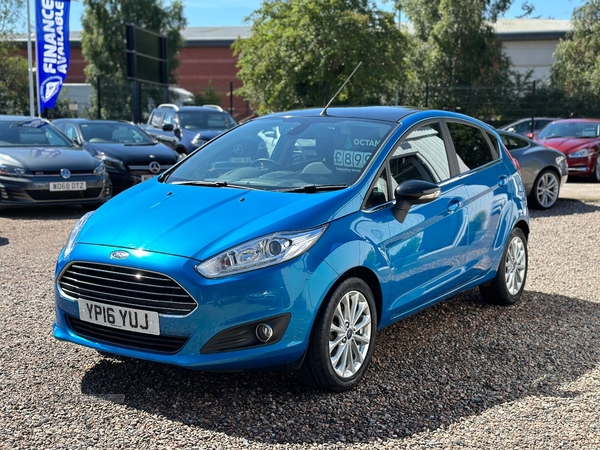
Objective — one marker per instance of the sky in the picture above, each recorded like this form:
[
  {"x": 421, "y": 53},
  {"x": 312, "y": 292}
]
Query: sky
[{"x": 216, "y": 13}]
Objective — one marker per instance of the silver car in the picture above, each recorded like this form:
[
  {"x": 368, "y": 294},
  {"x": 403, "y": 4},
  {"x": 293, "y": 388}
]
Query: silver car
[{"x": 543, "y": 170}]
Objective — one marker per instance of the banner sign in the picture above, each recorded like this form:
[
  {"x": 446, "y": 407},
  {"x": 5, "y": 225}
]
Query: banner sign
[{"x": 52, "y": 48}]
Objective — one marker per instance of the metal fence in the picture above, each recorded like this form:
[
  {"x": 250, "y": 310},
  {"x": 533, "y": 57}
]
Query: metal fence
[{"x": 496, "y": 105}]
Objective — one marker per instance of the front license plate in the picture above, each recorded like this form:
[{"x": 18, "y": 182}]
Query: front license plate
[
  {"x": 112, "y": 316},
  {"x": 68, "y": 186}
]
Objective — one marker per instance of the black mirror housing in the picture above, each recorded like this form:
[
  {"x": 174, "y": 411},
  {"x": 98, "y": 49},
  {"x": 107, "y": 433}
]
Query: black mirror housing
[
  {"x": 168, "y": 127},
  {"x": 413, "y": 192}
]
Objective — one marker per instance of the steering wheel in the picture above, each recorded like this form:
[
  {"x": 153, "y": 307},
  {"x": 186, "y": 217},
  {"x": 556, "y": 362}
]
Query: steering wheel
[{"x": 262, "y": 162}]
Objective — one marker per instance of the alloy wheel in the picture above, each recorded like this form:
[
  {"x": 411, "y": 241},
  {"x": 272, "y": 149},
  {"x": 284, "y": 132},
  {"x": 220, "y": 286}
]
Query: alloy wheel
[
  {"x": 547, "y": 190},
  {"x": 516, "y": 265},
  {"x": 349, "y": 334}
]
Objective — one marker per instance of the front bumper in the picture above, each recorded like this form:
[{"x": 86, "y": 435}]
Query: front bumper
[
  {"x": 16, "y": 192},
  {"x": 294, "y": 289}
]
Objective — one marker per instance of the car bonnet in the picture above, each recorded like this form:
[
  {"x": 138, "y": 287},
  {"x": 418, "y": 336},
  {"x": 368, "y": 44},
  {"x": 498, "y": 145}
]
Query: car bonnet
[
  {"x": 199, "y": 222},
  {"x": 48, "y": 158}
]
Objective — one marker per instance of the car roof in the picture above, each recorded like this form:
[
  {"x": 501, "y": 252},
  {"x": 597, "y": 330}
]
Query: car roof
[
  {"x": 578, "y": 120},
  {"x": 11, "y": 118},
  {"x": 81, "y": 120},
  {"x": 385, "y": 113},
  {"x": 176, "y": 108}
]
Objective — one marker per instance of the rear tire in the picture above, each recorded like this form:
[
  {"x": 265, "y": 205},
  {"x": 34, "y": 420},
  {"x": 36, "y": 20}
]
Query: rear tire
[
  {"x": 545, "y": 190},
  {"x": 508, "y": 285},
  {"x": 342, "y": 340}
]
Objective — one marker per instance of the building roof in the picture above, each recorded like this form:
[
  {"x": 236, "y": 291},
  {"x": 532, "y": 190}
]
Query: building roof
[
  {"x": 531, "y": 29},
  {"x": 506, "y": 29}
]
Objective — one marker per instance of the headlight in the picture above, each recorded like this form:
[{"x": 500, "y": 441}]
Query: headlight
[
  {"x": 583, "y": 153},
  {"x": 100, "y": 170},
  {"x": 262, "y": 252},
  {"x": 75, "y": 232},
  {"x": 198, "y": 141},
  {"x": 110, "y": 162},
  {"x": 14, "y": 171}
]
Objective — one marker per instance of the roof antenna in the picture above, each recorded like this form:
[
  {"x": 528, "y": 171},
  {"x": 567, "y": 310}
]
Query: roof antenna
[{"x": 324, "y": 112}]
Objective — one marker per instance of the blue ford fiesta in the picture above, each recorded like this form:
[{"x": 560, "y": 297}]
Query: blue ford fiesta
[{"x": 289, "y": 241}]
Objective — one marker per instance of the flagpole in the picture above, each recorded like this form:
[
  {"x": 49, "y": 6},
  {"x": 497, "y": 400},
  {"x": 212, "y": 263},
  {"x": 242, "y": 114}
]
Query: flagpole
[
  {"x": 37, "y": 69},
  {"x": 30, "y": 63}
]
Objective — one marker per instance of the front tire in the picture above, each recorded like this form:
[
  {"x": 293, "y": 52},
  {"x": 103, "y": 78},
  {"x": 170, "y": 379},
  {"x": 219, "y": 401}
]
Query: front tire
[
  {"x": 342, "y": 340},
  {"x": 508, "y": 285},
  {"x": 596, "y": 172},
  {"x": 545, "y": 191}
]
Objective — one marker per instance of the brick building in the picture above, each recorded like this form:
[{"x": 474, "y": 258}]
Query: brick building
[{"x": 207, "y": 56}]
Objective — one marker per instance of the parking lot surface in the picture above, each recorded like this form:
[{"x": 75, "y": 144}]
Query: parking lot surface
[{"x": 462, "y": 374}]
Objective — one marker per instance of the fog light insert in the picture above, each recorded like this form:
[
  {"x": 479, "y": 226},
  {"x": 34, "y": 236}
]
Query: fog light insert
[{"x": 264, "y": 332}]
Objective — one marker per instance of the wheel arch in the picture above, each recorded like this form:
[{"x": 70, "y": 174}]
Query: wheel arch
[
  {"x": 524, "y": 226},
  {"x": 369, "y": 277}
]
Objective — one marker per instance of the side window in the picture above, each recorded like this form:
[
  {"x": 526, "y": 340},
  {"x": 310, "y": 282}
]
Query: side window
[
  {"x": 169, "y": 119},
  {"x": 523, "y": 127},
  {"x": 380, "y": 193},
  {"x": 472, "y": 149},
  {"x": 421, "y": 155},
  {"x": 70, "y": 131},
  {"x": 496, "y": 146},
  {"x": 156, "y": 119}
]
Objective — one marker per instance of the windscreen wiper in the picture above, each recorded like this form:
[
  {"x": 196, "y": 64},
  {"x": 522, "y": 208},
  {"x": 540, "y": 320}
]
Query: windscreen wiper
[
  {"x": 201, "y": 183},
  {"x": 310, "y": 188},
  {"x": 212, "y": 184}
]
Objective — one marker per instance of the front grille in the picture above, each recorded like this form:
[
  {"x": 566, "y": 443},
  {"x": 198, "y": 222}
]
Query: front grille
[
  {"x": 56, "y": 173},
  {"x": 128, "y": 339},
  {"x": 45, "y": 194},
  {"x": 126, "y": 287}
]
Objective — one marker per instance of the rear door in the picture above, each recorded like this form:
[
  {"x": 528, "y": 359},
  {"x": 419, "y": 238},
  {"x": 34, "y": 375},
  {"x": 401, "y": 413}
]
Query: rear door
[{"x": 485, "y": 178}]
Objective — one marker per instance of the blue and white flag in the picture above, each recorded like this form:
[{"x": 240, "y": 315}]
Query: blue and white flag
[{"x": 52, "y": 48}]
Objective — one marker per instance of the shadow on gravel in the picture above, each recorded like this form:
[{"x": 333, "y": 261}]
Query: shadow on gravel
[
  {"x": 454, "y": 360},
  {"x": 43, "y": 213},
  {"x": 566, "y": 207}
]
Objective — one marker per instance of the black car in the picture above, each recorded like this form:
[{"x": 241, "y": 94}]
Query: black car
[
  {"x": 40, "y": 166},
  {"x": 185, "y": 128},
  {"x": 131, "y": 156}
]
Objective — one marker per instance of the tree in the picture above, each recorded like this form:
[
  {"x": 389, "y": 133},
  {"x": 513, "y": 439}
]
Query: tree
[
  {"x": 456, "y": 54},
  {"x": 301, "y": 51},
  {"x": 14, "y": 85},
  {"x": 103, "y": 44},
  {"x": 576, "y": 68}
]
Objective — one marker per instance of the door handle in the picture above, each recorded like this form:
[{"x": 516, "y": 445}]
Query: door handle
[
  {"x": 454, "y": 204},
  {"x": 502, "y": 180}
]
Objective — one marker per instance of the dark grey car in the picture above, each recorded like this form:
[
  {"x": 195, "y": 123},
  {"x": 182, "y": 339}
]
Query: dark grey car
[
  {"x": 543, "y": 170},
  {"x": 40, "y": 166}
]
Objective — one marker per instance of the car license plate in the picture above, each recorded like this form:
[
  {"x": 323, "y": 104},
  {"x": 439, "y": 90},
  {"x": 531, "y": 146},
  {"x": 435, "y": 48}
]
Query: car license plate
[
  {"x": 119, "y": 317},
  {"x": 147, "y": 177},
  {"x": 68, "y": 186}
]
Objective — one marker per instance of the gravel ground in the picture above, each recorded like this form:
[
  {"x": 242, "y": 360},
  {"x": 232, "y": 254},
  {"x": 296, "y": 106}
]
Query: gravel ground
[{"x": 462, "y": 374}]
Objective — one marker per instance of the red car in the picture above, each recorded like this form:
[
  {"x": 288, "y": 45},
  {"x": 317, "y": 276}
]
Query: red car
[{"x": 579, "y": 140}]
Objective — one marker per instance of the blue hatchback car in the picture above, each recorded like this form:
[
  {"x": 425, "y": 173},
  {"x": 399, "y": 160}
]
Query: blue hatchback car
[{"x": 290, "y": 240}]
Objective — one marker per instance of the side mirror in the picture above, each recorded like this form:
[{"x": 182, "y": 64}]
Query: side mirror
[
  {"x": 168, "y": 127},
  {"x": 413, "y": 192}
]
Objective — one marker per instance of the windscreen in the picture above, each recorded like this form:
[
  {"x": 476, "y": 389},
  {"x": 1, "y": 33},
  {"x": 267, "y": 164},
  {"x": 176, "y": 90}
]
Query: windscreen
[
  {"x": 31, "y": 133},
  {"x": 205, "y": 120},
  {"x": 282, "y": 153},
  {"x": 121, "y": 133},
  {"x": 571, "y": 129}
]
